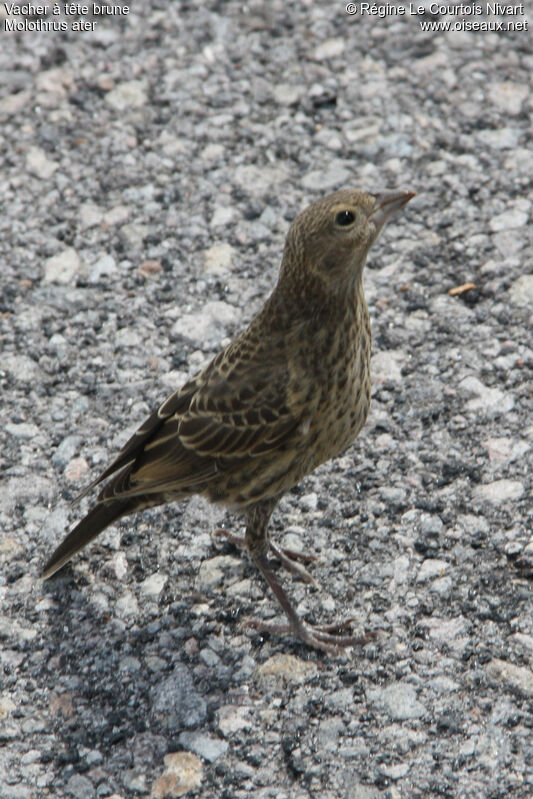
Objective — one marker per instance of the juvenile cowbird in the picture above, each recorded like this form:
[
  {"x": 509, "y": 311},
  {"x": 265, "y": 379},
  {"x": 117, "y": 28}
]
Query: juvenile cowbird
[{"x": 289, "y": 393}]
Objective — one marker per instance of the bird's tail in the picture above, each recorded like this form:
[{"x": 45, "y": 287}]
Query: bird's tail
[{"x": 96, "y": 520}]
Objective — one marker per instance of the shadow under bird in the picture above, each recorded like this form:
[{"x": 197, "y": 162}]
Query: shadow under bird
[{"x": 290, "y": 392}]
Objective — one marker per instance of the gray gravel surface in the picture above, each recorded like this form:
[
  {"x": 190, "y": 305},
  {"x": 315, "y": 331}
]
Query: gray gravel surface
[{"x": 150, "y": 170}]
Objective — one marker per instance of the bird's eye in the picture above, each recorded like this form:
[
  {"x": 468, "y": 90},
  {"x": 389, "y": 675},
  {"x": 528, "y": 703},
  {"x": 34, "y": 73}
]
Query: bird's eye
[{"x": 344, "y": 218}]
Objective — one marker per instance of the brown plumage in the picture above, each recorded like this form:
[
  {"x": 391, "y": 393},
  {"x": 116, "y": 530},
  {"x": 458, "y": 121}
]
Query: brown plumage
[{"x": 289, "y": 393}]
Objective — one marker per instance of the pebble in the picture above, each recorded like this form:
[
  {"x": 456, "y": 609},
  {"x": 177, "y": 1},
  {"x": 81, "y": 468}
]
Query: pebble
[
  {"x": 39, "y": 164},
  {"x": 505, "y": 450},
  {"x": 309, "y": 502},
  {"x": 285, "y": 668},
  {"x": 501, "y": 139},
  {"x": 24, "y": 430},
  {"x": 521, "y": 291},
  {"x": 498, "y": 491},
  {"x": 332, "y": 176},
  {"x": 232, "y": 718},
  {"x": 519, "y": 678},
  {"x": 127, "y": 605},
  {"x": 508, "y": 96},
  {"x": 153, "y": 585},
  {"x": 223, "y": 215},
  {"x": 432, "y": 567},
  {"x": 80, "y": 787},
  {"x": 90, "y": 215},
  {"x": 331, "y": 48},
  {"x": 104, "y": 266},
  {"x": 63, "y": 267},
  {"x": 218, "y": 259},
  {"x": 430, "y": 524},
  {"x": 203, "y": 745},
  {"x": 492, "y": 402},
  {"x": 183, "y": 773},
  {"x": 387, "y": 365},
  {"x": 22, "y": 368},
  {"x": 399, "y": 700},
  {"x": 214, "y": 572},
  {"x": 127, "y": 95},
  {"x": 286, "y": 94},
  {"x": 509, "y": 220},
  {"x": 329, "y": 732},
  {"x": 209, "y": 324},
  {"x": 76, "y": 470},
  {"x": 176, "y": 701}
]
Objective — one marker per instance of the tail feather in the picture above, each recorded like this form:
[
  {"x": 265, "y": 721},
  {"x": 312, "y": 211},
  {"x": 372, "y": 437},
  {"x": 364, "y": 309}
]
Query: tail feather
[{"x": 96, "y": 520}]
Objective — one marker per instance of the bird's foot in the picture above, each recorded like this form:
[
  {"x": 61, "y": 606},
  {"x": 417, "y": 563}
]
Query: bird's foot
[
  {"x": 322, "y": 636},
  {"x": 291, "y": 559}
]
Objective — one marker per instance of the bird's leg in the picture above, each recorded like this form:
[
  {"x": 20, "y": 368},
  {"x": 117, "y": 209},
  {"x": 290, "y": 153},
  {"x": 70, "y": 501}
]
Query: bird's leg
[
  {"x": 291, "y": 559},
  {"x": 320, "y": 637}
]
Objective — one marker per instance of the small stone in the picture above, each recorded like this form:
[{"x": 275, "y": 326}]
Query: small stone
[
  {"x": 63, "y": 267},
  {"x": 176, "y": 702},
  {"x": 14, "y": 103},
  {"x": 203, "y": 745},
  {"x": 218, "y": 258},
  {"x": 76, "y": 470},
  {"x": 150, "y": 268},
  {"x": 66, "y": 451},
  {"x": 210, "y": 658},
  {"x": 117, "y": 216},
  {"x": 508, "y": 96},
  {"x": 398, "y": 700},
  {"x": 209, "y": 324},
  {"x": 431, "y": 568},
  {"x": 154, "y": 584},
  {"x": 309, "y": 502},
  {"x": 106, "y": 265},
  {"x": 39, "y": 164},
  {"x": 430, "y": 524},
  {"x": 446, "y": 630},
  {"x": 216, "y": 571},
  {"x": 127, "y": 95},
  {"x": 223, "y": 215},
  {"x": 395, "y": 771},
  {"x": 500, "y": 139},
  {"x": 183, "y": 773},
  {"x": 518, "y": 677},
  {"x": 521, "y": 291},
  {"x": 331, "y": 48},
  {"x": 335, "y": 174},
  {"x": 286, "y": 668},
  {"x": 80, "y": 787},
  {"x": 329, "y": 732},
  {"x": 127, "y": 605},
  {"x": 134, "y": 782},
  {"x": 24, "y": 430},
  {"x": 490, "y": 401},
  {"x": 509, "y": 220},
  {"x": 119, "y": 564},
  {"x": 21, "y": 367},
  {"x": 90, "y": 215},
  {"x": 505, "y": 449},
  {"x": 498, "y": 491},
  {"x": 287, "y": 95},
  {"x": 387, "y": 365},
  {"x": 232, "y": 718}
]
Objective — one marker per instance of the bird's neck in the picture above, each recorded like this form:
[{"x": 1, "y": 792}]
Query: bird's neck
[{"x": 308, "y": 298}]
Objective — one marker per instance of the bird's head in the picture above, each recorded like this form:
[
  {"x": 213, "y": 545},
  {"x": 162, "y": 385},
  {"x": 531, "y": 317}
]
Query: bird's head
[{"x": 331, "y": 239}]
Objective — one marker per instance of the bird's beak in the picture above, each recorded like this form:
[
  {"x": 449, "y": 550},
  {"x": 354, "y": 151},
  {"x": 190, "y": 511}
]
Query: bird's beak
[{"x": 387, "y": 204}]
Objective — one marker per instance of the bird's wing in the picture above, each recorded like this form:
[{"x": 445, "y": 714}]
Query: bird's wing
[
  {"x": 233, "y": 415},
  {"x": 227, "y": 413}
]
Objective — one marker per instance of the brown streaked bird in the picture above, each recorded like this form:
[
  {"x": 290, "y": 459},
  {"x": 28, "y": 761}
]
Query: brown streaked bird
[{"x": 290, "y": 392}]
